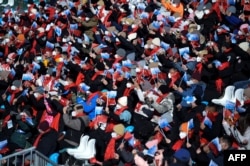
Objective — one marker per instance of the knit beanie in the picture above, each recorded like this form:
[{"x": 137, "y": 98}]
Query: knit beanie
[
  {"x": 44, "y": 125},
  {"x": 182, "y": 155},
  {"x": 119, "y": 129}
]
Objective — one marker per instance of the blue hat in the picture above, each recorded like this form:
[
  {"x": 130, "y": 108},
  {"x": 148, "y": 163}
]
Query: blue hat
[
  {"x": 182, "y": 155},
  {"x": 125, "y": 116}
]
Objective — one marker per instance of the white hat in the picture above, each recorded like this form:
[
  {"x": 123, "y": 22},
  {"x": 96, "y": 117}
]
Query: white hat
[
  {"x": 132, "y": 36},
  {"x": 156, "y": 41},
  {"x": 41, "y": 30},
  {"x": 244, "y": 46},
  {"x": 123, "y": 101}
]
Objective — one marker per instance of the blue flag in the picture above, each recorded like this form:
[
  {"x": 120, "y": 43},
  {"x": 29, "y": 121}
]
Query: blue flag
[
  {"x": 151, "y": 151},
  {"x": 98, "y": 110},
  {"x": 208, "y": 122},
  {"x": 191, "y": 124}
]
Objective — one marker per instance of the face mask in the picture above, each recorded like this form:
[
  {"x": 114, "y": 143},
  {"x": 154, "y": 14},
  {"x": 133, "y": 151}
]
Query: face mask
[
  {"x": 36, "y": 95},
  {"x": 103, "y": 126},
  {"x": 204, "y": 113},
  {"x": 198, "y": 59},
  {"x": 13, "y": 87},
  {"x": 64, "y": 40},
  {"x": 213, "y": 1},
  {"x": 8, "y": 60},
  {"x": 28, "y": 5},
  {"x": 114, "y": 135},
  {"x": 169, "y": 75},
  {"x": 174, "y": 5},
  {"x": 54, "y": 53},
  {"x": 57, "y": 11},
  {"x": 199, "y": 14},
  {"x": 118, "y": 106},
  {"x": 73, "y": 113},
  {"x": 182, "y": 134},
  {"x": 190, "y": 82},
  {"x": 206, "y": 11}
]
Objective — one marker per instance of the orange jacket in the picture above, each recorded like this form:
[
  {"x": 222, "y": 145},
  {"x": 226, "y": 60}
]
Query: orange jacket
[{"x": 179, "y": 9}]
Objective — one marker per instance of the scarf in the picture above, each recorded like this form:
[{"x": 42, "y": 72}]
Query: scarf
[
  {"x": 96, "y": 74},
  {"x": 71, "y": 85},
  {"x": 39, "y": 137},
  {"x": 120, "y": 110},
  {"x": 80, "y": 78},
  {"x": 110, "y": 150},
  {"x": 127, "y": 91},
  {"x": 13, "y": 95},
  {"x": 174, "y": 78},
  {"x": 160, "y": 97}
]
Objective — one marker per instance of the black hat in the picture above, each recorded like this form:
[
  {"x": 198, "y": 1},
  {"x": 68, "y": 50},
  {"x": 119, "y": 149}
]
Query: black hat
[
  {"x": 100, "y": 66},
  {"x": 42, "y": 4},
  {"x": 164, "y": 89}
]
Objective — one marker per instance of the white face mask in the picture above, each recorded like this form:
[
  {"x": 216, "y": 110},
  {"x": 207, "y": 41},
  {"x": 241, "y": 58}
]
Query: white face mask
[
  {"x": 103, "y": 126},
  {"x": 118, "y": 106},
  {"x": 207, "y": 11},
  {"x": 28, "y": 5},
  {"x": 169, "y": 75},
  {"x": 199, "y": 14},
  {"x": 204, "y": 113},
  {"x": 64, "y": 40},
  {"x": 8, "y": 60},
  {"x": 213, "y": 1},
  {"x": 114, "y": 135},
  {"x": 13, "y": 87},
  {"x": 36, "y": 95},
  {"x": 182, "y": 134},
  {"x": 57, "y": 11},
  {"x": 174, "y": 4},
  {"x": 73, "y": 113},
  {"x": 54, "y": 53}
]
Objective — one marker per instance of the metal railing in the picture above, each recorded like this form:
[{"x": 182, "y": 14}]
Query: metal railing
[{"x": 31, "y": 154}]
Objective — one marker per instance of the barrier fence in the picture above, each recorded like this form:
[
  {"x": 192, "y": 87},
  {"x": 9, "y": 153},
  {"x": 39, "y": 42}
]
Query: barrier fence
[{"x": 34, "y": 157}]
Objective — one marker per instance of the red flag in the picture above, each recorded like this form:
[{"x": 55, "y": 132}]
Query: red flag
[
  {"x": 127, "y": 136},
  {"x": 178, "y": 144},
  {"x": 223, "y": 66}
]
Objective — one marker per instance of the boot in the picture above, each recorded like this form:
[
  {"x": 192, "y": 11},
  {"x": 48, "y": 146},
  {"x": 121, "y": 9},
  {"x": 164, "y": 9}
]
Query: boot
[{"x": 228, "y": 96}]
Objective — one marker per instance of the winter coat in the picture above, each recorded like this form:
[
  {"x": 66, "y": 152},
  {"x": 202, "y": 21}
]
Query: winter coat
[
  {"x": 75, "y": 128},
  {"x": 48, "y": 142}
]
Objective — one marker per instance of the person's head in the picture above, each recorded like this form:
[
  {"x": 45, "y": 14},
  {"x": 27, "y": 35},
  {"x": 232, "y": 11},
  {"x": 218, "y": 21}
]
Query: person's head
[
  {"x": 182, "y": 156},
  {"x": 225, "y": 142},
  {"x": 78, "y": 110},
  {"x": 211, "y": 108},
  {"x": 175, "y": 3},
  {"x": 43, "y": 126},
  {"x": 246, "y": 94},
  {"x": 244, "y": 123},
  {"x": 225, "y": 46}
]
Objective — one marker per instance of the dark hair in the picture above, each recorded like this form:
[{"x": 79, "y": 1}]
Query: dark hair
[
  {"x": 228, "y": 140},
  {"x": 244, "y": 122}
]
